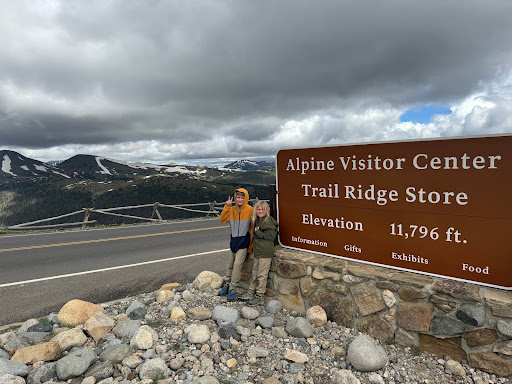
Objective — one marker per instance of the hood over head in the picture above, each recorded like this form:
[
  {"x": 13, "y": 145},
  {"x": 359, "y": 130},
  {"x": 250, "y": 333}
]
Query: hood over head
[{"x": 246, "y": 195}]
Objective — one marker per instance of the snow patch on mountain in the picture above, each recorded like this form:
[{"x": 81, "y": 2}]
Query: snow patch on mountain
[
  {"x": 104, "y": 171},
  {"x": 6, "y": 165}
]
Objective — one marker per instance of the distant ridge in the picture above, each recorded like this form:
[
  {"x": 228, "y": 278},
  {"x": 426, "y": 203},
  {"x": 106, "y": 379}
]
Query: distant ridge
[
  {"x": 83, "y": 166},
  {"x": 14, "y": 165},
  {"x": 248, "y": 165}
]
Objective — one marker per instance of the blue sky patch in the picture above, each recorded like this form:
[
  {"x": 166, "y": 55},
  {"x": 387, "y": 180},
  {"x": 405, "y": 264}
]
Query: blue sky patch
[{"x": 423, "y": 113}]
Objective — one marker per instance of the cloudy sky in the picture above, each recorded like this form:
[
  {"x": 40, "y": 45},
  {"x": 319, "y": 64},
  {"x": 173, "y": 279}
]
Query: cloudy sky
[{"x": 197, "y": 81}]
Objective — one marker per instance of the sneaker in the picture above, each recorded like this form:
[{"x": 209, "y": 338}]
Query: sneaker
[
  {"x": 224, "y": 290},
  {"x": 257, "y": 300},
  {"x": 249, "y": 295},
  {"x": 232, "y": 295}
]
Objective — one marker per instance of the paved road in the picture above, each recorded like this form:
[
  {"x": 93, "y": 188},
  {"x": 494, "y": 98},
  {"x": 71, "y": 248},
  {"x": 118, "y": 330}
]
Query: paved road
[{"x": 41, "y": 272}]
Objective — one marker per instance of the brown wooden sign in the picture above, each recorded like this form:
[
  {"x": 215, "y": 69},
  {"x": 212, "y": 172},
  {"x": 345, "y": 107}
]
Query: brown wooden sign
[{"x": 438, "y": 207}]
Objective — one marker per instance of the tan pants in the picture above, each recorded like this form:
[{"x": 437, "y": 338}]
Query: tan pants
[
  {"x": 234, "y": 272},
  {"x": 260, "y": 270}
]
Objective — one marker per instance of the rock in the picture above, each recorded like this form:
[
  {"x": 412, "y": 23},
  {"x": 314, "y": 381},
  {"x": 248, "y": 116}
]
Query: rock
[
  {"x": 231, "y": 363},
  {"x": 116, "y": 354},
  {"x": 200, "y": 313},
  {"x": 389, "y": 298},
  {"x": 457, "y": 289},
  {"x": 126, "y": 329},
  {"x": 414, "y": 316},
  {"x": 274, "y": 307},
  {"x": 504, "y": 327},
  {"x": 154, "y": 369},
  {"x": 228, "y": 330},
  {"x": 446, "y": 326},
  {"x": 296, "y": 356},
  {"x": 299, "y": 327},
  {"x": 24, "y": 339},
  {"x": 249, "y": 313},
  {"x": 208, "y": 280},
  {"x": 170, "y": 286},
  {"x": 481, "y": 337},
  {"x": 178, "y": 314},
  {"x": 136, "y": 310},
  {"x": 45, "y": 326},
  {"x": 279, "y": 332},
  {"x": 337, "y": 307},
  {"x": 366, "y": 355},
  {"x": 344, "y": 376},
  {"x": 176, "y": 363},
  {"x": 367, "y": 298},
  {"x": 8, "y": 367},
  {"x": 207, "y": 380},
  {"x": 471, "y": 314},
  {"x": 406, "y": 338},
  {"x": 39, "y": 352},
  {"x": 288, "y": 293},
  {"x": 26, "y": 325},
  {"x": 316, "y": 316},
  {"x": 503, "y": 347},
  {"x": 132, "y": 361},
  {"x": 100, "y": 370},
  {"x": 4, "y": 355},
  {"x": 98, "y": 325},
  {"x": 144, "y": 338},
  {"x": 257, "y": 352},
  {"x": 222, "y": 314},
  {"x": 455, "y": 368},
  {"x": 75, "y": 364},
  {"x": 290, "y": 270},
  {"x": 375, "y": 379},
  {"x": 6, "y": 337},
  {"x": 442, "y": 347},
  {"x": 198, "y": 333},
  {"x": 321, "y": 274},
  {"x": 265, "y": 321},
  {"x": 490, "y": 362},
  {"x": 164, "y": 295},
  {"x": 69, "y": 339},
  {"x": 11, "y": 379},
  {"x": 410, "y": 294},
  {"x": 376, "y": 327},
  {"x": 76, "y": 312},
  {"x": 43, "y": 373}
]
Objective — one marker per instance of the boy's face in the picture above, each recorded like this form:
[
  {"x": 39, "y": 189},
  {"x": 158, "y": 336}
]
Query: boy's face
[{"x": 239, "y": 198}]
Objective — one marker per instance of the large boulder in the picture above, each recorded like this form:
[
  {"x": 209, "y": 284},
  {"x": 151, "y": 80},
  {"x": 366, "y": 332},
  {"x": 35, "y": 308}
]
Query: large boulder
[
  {"x": 366, "y": 355},
  {"x": 76, "y": 312},
  {"x": 208, "y": 280},
  {"x": 39, "y": 352}
]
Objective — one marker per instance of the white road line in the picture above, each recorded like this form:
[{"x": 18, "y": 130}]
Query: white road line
[{"x": 110, "y": 268}]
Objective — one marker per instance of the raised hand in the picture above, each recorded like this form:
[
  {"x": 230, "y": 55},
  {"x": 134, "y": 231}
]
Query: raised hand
[{"x": 230, "y": 200}]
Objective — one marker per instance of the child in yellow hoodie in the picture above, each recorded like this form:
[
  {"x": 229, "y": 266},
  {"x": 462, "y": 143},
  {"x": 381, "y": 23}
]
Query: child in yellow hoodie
[{"x": 239, "y": 218}]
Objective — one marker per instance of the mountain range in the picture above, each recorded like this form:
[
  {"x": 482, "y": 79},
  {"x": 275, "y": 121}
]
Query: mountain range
[{"x": 15, "y": 165}]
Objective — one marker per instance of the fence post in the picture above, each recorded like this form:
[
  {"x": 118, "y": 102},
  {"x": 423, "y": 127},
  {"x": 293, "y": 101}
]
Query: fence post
[
  {"x": 86, "y": 217},
  {"x": 155, "y": 210},
  {"x": 272, "y": 191}
]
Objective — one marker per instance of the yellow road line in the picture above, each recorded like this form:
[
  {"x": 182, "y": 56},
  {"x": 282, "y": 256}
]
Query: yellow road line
[{"x": 109, "y": 239}]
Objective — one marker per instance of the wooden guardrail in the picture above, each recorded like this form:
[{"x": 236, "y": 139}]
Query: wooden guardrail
[{"x": 212, "y": 208}]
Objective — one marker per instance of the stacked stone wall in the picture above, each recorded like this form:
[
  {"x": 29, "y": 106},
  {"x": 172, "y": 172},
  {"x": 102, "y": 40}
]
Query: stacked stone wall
[{"x": 444, "y": 317}]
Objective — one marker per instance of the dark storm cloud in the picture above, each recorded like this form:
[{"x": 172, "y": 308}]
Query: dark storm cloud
[{"x": 185, "y": 72}]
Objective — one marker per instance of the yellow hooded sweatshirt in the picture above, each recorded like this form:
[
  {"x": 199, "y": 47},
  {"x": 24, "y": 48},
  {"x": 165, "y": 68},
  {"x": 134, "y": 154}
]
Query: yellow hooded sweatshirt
[{"x": 239, "y": 219}]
